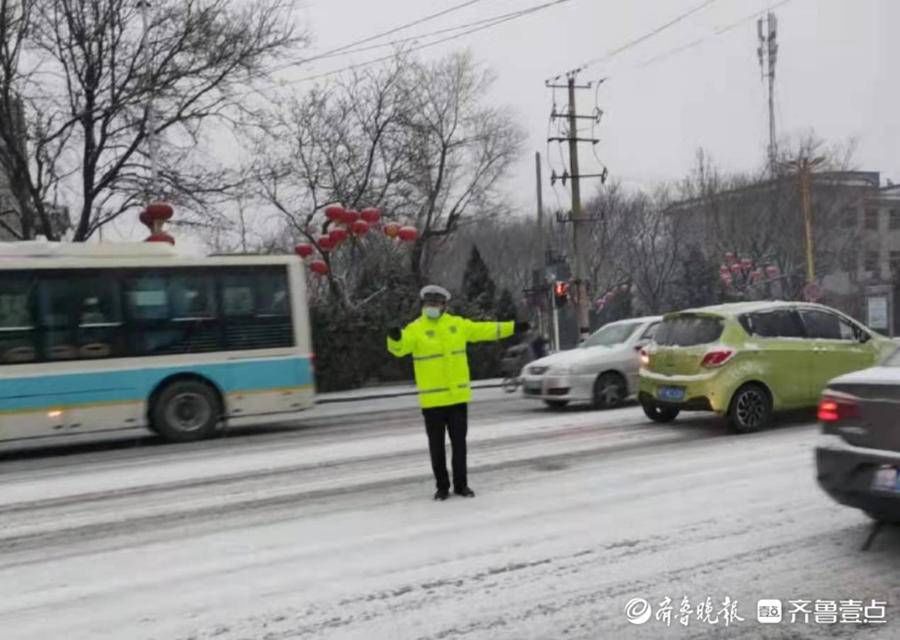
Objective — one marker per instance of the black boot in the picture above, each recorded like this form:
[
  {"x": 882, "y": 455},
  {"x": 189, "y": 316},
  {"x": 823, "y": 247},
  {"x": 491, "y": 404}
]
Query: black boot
[
  {"x": 441, "y": 494},
  {"x": 465, "y": 492}
]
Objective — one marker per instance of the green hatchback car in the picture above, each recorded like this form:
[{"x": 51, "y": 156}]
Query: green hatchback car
[{"x": 747, "y": 360}]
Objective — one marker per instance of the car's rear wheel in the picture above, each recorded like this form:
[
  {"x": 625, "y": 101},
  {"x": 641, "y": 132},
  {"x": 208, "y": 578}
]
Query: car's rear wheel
[
  {"x": 185, "y": 411},
  {"x": 610, "y": 391},
  {"x": 751, "y": 409},
  {"x": 659, "y": 413},
  {"x": 556, "y": 404}
]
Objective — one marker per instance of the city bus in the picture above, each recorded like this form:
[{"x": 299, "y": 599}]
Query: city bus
[{"x": 98, "y": 337}]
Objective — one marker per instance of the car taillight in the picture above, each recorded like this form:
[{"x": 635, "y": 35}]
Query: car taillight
[
  {"x": 834, "y": 409},
  {"x": 645, "y": 358},
  {"x": 717, "y": 358}
]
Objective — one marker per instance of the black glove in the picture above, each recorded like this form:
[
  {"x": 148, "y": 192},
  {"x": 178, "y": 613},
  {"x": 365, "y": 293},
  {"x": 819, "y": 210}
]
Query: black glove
[
  {"x": 522, "y": 327},
  {"x": 394, "y": 333}
]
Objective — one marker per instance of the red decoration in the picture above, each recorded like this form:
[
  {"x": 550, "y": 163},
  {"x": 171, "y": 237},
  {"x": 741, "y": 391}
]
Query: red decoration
[
  {"x": 160, "y": 236},
  {"x": 408, "y": 234},
  {"x": 729, "y": 257},
  {"x": 746, "y": 263},
  {"x": 360, "y": 227},
  {"x": 756, "y": 275},
  {"x": 318, "y": 266},
  {"x": 371, "y": 215},
  {"x": 335, "y": 213},
  {"x": 772, "y": 271},
  {"x": 338, "y": 235},
  {"x": 326, "y": 243},
  {"x": 736, "y": 268},
  {"x": 350, "y": 217},
  {"x": 154, "y": 217},
  {"x": 304, "y": 249},
  {"x": 392, "y": 229}
]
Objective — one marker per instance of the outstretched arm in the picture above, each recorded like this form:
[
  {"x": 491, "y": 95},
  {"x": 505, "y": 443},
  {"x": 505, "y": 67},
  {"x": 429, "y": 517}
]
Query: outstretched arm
[{"x": 488, "y": 331}]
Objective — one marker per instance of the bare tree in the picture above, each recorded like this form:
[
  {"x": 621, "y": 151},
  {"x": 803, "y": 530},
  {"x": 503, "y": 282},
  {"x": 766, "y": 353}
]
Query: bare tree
[
  {"x": 758, "y": 216},
  {"x": 459, "y": 149},
  {"x": 79, "y": 77},
  {"x": 412, "y": 138}
]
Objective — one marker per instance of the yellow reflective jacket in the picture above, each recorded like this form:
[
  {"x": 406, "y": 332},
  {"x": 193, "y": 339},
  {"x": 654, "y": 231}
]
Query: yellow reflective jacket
[{"x": 438, "y": 349}]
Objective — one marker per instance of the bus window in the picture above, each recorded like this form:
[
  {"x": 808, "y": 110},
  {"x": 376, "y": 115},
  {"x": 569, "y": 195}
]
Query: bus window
[
  {"x": 257, "y": 309},
  {"x": 81, "y": 317},
  {"x": 17, "y": 337}
]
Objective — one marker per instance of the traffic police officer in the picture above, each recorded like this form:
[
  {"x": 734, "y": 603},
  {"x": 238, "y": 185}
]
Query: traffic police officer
[{"x": 437, "y": 342}]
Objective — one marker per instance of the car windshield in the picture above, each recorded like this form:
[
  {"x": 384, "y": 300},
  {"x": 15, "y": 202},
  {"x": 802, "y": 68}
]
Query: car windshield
[
  {"x": 610, "y": 334},
  {"x": 689, "y": 330}
]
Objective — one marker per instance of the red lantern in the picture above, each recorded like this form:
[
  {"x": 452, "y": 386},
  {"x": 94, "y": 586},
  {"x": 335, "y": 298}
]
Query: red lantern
[
  {"x": 160, "y": 236},
  {"x": 772, "y": 271},
  {"x": 392, "y": 229},
  {"x": 746, "y": 263},
  {"x": 360, "y": 227},
  {"x": 408, "y": 234},
  {"x": 726, "y": 280},
  {"x": 304, "y": 249},
  {"x": 335, "y": 213},
  {"x": 337, "y": 235},
  {"x": 318, "y": 266},
  {"x": 756, "y": 275},
  {"x": 736, "y": 268},
  {"x": 371, "y": 215},
  {"x": 350, "y": 217},
  {"x": 326, "y": 243},
  {"x": 159, "y": 211}
]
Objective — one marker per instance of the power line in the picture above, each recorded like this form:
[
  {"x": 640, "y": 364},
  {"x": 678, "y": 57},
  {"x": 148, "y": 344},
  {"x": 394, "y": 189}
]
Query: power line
[
  {"x": 718, "y": 32},
  {"x": 413, "y": 38},
  {"x": 394, "y": 30},
  {"x": 494, "y": 22},
  {"x": 632, "y": 43}
]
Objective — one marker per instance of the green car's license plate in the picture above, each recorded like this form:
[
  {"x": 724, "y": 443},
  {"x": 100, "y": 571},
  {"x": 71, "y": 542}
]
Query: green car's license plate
[{"x": 671, "y": 394}]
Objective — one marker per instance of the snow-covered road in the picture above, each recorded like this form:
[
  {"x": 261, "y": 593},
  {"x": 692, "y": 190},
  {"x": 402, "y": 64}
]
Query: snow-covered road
[{"x": 327, "y": 530}]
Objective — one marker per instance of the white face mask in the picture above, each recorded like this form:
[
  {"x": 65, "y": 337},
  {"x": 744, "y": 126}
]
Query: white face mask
[{"x": 433, "y": 312}]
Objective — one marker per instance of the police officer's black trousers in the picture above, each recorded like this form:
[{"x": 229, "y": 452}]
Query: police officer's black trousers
[{"x": 454, "y": 419}]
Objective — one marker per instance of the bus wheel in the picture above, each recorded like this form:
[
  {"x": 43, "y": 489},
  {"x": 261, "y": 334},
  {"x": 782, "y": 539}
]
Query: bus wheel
[{"x": 185, "y": 411}]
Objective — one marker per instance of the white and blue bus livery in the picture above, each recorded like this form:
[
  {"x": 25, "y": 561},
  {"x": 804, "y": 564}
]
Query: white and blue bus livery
[{"x": 104, "y": 337}]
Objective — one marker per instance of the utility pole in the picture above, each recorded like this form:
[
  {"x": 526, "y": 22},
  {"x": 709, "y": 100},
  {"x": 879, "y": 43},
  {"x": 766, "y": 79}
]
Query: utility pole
[
  {"x": 541, "y": 267},
  {"x": 767, "y": 30},
  {"x": 804, "y": 168},
  {"x": 580, "y": 237}
]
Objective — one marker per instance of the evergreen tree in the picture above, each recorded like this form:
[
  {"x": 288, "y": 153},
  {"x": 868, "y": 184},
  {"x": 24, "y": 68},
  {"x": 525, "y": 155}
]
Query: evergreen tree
[
  {"x": 699, "y": 286},
  {"x": 506, "y": 306},
  {"x": 479, "y": 290}
]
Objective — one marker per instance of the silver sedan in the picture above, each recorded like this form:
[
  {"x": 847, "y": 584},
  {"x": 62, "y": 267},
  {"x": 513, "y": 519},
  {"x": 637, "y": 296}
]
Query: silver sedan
[{"x": 601, "y": 371}]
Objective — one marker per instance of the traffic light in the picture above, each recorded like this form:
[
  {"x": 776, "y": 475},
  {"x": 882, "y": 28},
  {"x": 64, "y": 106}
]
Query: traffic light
[{"x": 561, "y": 293}]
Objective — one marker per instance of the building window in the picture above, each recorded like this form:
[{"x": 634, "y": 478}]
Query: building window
[
  {"x": 895, "y": 263},
  {"x": 848, "y": 217},
  {"x": 872, "y": 219},
  {"x": 871, "y": 261},
  {"x": 895, "y": 218}
]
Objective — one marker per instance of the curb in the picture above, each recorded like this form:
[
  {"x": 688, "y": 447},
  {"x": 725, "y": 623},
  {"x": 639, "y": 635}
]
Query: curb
[{"x": 397, "y": 394}]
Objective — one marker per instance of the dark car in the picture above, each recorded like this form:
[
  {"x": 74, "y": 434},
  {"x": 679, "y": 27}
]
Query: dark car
[{"x": 858, "y": 458}]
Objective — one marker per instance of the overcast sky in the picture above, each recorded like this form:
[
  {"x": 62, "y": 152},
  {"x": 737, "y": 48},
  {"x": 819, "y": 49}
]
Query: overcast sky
[{"x": 832, "y": 76}]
